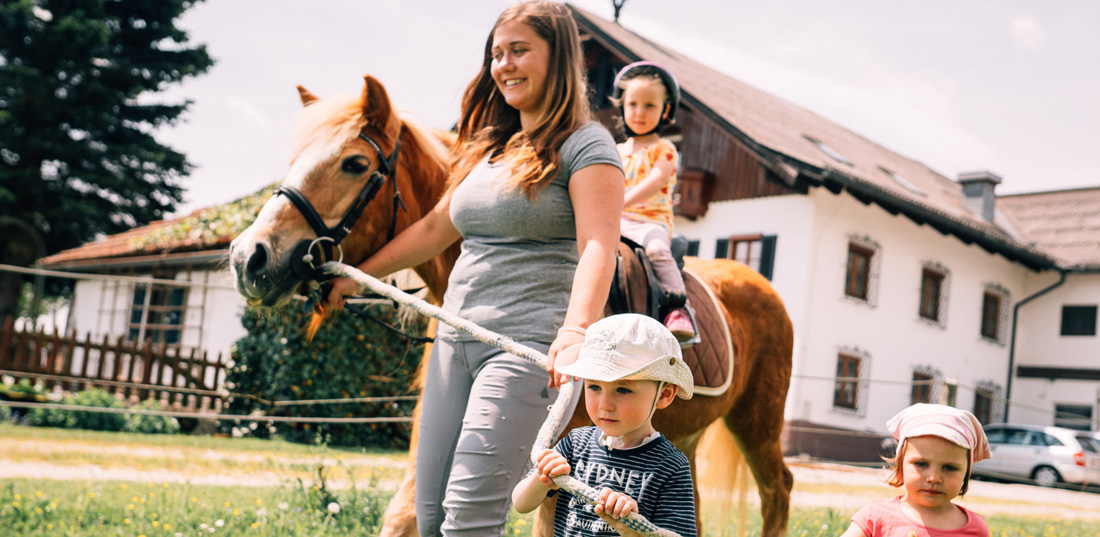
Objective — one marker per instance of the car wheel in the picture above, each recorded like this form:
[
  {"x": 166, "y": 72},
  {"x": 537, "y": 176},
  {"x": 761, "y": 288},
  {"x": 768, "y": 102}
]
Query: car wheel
[{"x": 1046, "y": 476}]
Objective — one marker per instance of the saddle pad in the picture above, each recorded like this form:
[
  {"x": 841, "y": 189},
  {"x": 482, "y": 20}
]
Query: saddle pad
[{"x": 711, "y": 359}]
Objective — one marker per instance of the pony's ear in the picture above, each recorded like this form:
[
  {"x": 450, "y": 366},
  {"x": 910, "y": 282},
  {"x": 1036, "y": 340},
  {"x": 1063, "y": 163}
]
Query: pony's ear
[
  {"x": 377, "y": 108},
  {"x": 307, "y": 97}
]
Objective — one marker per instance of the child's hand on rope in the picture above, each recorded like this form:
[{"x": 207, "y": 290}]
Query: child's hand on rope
[
  {"x": 613, "y": 507},
  {"x": 552, "y": 464}
]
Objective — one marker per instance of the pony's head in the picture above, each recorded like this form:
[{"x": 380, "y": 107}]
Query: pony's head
[{"x": 348, "y": 171}]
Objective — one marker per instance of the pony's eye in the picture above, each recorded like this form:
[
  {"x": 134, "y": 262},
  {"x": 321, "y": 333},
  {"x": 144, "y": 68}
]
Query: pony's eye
[{"x": 355, "y": 165}]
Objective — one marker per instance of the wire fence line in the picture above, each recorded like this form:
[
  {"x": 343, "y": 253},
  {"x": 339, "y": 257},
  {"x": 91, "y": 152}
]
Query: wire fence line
[{"x": 209, "y": 393}]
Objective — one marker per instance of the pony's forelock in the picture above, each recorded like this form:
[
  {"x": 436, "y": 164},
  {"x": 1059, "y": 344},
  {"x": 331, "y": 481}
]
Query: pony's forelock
[{"x": 328, "y": 121}]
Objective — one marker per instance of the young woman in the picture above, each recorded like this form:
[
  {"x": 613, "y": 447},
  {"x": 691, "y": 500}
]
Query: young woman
[{"x": 535, "y": 195}]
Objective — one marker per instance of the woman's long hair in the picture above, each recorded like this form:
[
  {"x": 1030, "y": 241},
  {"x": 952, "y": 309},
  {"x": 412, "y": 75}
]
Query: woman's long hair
[{"x": 490, "y": 127}]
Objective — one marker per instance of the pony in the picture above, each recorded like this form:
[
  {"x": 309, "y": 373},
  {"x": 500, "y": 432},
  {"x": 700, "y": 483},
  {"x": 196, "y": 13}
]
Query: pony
[{"x": 342, "y": 140}]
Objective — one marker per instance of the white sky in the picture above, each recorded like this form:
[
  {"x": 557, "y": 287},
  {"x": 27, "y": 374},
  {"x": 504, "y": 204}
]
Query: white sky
[{"x": 1011, "y": 86}]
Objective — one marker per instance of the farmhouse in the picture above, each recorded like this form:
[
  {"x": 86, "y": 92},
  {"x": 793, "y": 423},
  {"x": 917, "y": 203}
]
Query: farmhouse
[{"x": 903, "y": 285}]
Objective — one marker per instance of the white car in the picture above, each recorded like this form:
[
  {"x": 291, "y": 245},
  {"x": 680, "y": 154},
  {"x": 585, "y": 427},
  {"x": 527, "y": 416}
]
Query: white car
[{"x": 1044, "y": 455}]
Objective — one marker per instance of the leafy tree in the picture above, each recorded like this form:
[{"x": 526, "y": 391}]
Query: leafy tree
[{"x": 77, "y": 152}]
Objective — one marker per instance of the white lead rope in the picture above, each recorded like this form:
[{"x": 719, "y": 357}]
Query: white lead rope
[{"x": 579, "y": 489}]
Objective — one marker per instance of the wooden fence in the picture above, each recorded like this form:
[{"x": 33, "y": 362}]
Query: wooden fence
[{"x": 85, "y": 364}]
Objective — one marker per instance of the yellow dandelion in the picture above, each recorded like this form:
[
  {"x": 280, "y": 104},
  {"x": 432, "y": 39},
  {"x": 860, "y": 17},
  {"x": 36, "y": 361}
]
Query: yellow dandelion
[
  {"x": 142, "y": 500},
  {"x": 521, "y": 522},
  {"x": 259, "y": 501},
  {"x": 91, "y": 496},
  {"x": 38, "y": 493},
  {"x": 125, "y": 486},
  {"x": 150, "y": 485},
  {"x": 155, "y": 524},
  {"x": 126, "y": 521},
  {"x": 18, "y": 496},
  {"x": 165, "y": 485},
  {"x": 167, "y": 526},
  {"x": 194, "y": 499},
  {"x": 15, "y": 504},
  {"x": 236, "y": 512},
  {"x": 150, "y": 494},
  {"x": 155, "y": 516},
  {"x": 227, "y": 504},
  {"x": 255, "y": 525},
  {"x": 49, "y": 526},
  {"x": 134, "y": 499},
  {"x": 53, "y": 505},
  {"x": 38, "y": 510},
  {"x": 130, "y": 507}
]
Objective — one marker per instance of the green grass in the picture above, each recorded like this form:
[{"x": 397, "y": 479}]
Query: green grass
[
  {"x": 99, "y": 509},
  {"x": 297, "y": 506}
]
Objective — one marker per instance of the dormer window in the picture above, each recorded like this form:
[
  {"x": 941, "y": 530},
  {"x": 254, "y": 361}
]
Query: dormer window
[
  {"x": 901, "y": 181},
  {"x": 828, "y": 150}
]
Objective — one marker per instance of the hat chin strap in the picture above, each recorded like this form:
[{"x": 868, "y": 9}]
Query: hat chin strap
[{"x": 616, "y": 442}]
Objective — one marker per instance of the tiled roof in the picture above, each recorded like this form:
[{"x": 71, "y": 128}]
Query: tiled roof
[
  {"x": 771, "y": 125},
  {"x": 131, "y": 243},
  {"x": 212, "y": 228},
  {"x": 1064, "y": 223}
]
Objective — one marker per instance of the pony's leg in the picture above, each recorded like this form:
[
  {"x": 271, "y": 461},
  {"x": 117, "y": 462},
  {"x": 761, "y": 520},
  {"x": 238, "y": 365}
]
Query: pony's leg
[
  {"x": 544, "y": 518},
  {"x": 759, "y": 440},
  {"x": 400, "y": 517}
]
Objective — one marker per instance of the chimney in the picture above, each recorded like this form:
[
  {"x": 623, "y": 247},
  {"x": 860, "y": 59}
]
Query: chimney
[{"x": 978, "y": 193}]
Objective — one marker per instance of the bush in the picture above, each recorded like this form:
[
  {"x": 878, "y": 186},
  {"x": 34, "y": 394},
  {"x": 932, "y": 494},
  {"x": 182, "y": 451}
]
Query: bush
[
  {"x": 82, "y": 419},
  {"x": 349, "y": 357},
  {"x": 148, "y": 423}
]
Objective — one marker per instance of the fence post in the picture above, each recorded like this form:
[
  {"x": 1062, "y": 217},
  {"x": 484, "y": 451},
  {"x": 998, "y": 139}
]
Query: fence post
[
  {"x": 101, "y": 364},
  {"x": 70, "y": 343},
  {"x": 51, "y": 358},
  {"x": 5, "y": 342},
  {"x": 87, "y": 347}
]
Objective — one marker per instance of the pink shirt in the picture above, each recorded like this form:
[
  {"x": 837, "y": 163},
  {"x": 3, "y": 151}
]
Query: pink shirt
[{"x": 884, "y": 518}]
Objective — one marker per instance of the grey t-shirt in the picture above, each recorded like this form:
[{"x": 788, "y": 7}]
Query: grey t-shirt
[{"x": 515, "y": 272}]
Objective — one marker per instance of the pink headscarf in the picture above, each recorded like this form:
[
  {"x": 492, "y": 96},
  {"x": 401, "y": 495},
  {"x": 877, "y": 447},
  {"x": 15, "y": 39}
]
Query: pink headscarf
[{"x": 952, "y": 424}]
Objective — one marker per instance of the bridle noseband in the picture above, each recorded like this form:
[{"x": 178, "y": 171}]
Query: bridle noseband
[{"x": 328, "y": 239}]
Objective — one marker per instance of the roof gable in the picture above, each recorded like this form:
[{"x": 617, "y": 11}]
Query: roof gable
[{"x": 783, "y": 133}]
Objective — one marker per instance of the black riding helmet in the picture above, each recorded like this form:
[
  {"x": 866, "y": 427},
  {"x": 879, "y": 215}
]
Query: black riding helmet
[{"x": 672, "y": 91}]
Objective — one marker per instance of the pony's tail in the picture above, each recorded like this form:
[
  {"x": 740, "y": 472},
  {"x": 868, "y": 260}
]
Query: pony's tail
[{"x": 723, "y": 479}]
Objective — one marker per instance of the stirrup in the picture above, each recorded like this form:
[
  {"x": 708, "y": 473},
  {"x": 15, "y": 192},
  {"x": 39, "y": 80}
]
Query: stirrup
[{"x": 689, "y": 343}]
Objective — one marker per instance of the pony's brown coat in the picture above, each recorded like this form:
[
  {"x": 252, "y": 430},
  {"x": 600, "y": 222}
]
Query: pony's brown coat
[{"x": 752, "y": 408}]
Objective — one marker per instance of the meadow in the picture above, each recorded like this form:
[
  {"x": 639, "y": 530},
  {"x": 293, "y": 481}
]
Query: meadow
[{"x": 274, "y": 488}]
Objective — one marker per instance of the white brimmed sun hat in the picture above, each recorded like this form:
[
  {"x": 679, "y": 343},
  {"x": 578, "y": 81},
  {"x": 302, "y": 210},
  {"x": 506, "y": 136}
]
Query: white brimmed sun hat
[{"x": 628, "y": 346}]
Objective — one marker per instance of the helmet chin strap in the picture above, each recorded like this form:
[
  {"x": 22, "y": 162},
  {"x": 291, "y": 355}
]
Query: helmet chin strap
[{"x": 616, "y": 442}]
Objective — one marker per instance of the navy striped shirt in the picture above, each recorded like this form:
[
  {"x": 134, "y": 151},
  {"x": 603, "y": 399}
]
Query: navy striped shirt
[{"x": 655, "y": 474}]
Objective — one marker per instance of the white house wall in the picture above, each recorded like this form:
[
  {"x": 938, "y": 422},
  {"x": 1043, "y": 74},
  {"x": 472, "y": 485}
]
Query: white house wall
[
  {"x": 211, "y": 322},
  {"x": 813, "y": 232},
  {"x": 1043, "y": 345}
]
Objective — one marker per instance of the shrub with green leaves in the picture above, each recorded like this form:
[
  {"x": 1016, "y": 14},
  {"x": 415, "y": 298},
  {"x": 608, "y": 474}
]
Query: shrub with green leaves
[
  {"x": 349, "y": 357},
  {"x": 150, "y": 423},
  {"x": 81, "y": 419}
]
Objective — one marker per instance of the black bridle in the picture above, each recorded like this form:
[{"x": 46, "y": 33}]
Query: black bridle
[{"x": 328, "y": 238}]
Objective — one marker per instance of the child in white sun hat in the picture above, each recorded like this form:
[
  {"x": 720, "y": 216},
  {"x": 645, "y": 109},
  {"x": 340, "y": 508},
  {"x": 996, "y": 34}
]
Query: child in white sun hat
[
  {"x": 631, "y": 366},
  {"x": 937, "y": 447}
]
